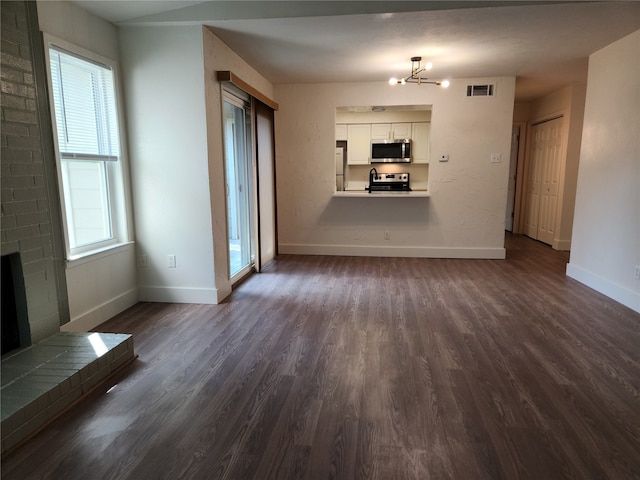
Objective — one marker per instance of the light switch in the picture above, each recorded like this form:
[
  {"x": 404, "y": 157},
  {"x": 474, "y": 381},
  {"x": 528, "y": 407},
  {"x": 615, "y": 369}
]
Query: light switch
[
  {"x": 496, "y": 158},
  {"x": 444, "y": 157}
]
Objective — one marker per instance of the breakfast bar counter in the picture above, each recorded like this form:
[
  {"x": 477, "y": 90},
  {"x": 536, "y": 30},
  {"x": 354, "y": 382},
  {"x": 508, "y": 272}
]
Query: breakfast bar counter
[{"x": 387, "y": 194}]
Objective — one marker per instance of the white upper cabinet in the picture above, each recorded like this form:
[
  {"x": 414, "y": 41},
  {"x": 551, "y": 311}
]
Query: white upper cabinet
[
  {"x": 341, "y": 131},
  {"x": 400, "y": 130},
  {"x": 420, "y": 139},
  {"x": 358, "y": 144},
  {"x": 380, "y": 131},
  {"x": 390, "y": 131}
]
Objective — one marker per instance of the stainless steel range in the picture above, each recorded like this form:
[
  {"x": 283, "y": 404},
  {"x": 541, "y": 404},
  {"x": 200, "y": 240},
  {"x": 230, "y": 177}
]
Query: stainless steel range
[{"x": 388, "y": 182}]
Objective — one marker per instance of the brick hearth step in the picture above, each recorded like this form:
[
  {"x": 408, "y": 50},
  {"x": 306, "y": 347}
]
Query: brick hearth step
[{"x": 41, "y": 381}]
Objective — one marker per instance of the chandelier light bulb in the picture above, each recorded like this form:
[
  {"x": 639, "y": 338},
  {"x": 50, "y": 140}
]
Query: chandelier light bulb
[
  {"x": 393, "y": 81},
  {"x": 428, "y": 66},
  {"x": 445, "y": 83}
]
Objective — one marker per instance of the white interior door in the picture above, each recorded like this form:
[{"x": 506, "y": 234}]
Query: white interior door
[{"x": 544, "y": 179}]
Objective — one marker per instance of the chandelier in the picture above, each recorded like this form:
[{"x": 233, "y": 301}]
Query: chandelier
[{"x": 415, "y": 77}]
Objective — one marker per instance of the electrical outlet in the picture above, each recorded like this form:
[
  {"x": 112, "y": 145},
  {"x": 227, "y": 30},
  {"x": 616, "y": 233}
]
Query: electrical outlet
[
  {"x": 496, "y": 158},
  {"x": 387, "y": 236},
  {"x": 171, "y": 261},
  {"x": 142, "y": 260},
  {"x": 637, "y": 272}
]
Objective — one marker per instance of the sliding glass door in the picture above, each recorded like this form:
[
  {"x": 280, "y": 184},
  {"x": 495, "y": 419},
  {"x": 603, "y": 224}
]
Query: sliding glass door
[{"x": 238, "y": 158}]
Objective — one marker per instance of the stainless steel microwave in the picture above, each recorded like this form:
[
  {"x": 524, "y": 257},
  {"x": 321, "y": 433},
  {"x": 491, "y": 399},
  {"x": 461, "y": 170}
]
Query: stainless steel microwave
[{"x": 391, "y": 151}]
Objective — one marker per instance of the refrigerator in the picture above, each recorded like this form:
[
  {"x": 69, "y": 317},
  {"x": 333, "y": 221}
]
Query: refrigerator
[{"x": 339, "y": 169}]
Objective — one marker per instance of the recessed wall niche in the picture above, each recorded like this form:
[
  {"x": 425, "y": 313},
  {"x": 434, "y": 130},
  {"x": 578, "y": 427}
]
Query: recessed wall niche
[{"x": 358, "y": 126}]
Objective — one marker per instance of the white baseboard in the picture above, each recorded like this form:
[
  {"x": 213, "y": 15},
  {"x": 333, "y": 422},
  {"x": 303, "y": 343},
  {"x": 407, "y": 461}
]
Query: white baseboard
[
  {"x": 376, "y": 251},
  {"x": 564, "y": 245},
  {"x": 207, "y": 296},
  {"x": 100, "y": 314},
  {"x": 626, "y": 297}
]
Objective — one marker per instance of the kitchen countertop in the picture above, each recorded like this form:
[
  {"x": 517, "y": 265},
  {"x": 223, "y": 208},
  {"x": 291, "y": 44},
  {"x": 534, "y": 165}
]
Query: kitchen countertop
[{"x": 366, "y": 194}]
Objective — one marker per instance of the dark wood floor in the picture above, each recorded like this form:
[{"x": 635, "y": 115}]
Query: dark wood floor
[{"x": 367, "y": 368}]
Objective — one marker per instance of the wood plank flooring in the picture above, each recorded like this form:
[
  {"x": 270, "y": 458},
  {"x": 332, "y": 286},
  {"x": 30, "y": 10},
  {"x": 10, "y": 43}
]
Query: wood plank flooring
[{"x": 367, "y": 368}]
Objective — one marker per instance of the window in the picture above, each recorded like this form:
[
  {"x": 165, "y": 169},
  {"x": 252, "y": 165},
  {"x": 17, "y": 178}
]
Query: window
[{"x": 87, "y": 138}]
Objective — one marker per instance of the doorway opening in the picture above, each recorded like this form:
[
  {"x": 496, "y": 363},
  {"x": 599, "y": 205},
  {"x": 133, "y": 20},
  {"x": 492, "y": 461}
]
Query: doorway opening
[{"x": 513, "y": 176}]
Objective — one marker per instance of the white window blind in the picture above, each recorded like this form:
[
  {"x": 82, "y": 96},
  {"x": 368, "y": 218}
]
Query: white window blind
[{"x": 83, "y": 95}]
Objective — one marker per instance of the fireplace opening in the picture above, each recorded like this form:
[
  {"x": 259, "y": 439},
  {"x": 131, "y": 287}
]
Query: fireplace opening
[{"x": 15, "y": 319}]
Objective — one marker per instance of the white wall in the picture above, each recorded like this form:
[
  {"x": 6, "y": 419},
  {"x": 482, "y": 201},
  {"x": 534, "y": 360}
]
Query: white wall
[
  {"x": 165, "y": 105},
  {"x": 102, "y": 285},
  {"x": 464, "y": 217},
  {"x": 574, "y": 142},
  {"x": 606, "y": 228},
  {"x": 69, "y": 22}
]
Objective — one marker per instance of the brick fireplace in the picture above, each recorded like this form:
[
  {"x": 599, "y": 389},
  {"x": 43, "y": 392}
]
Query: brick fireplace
[
  {"x": 44, "y": 371},
  {"x": 31, "y": 232}
]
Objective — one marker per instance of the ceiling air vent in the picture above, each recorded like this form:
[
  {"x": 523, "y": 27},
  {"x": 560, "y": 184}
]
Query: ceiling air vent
[{"x": 480, "y": 90}]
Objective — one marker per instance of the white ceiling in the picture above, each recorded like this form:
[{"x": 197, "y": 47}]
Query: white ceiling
[{"x": 544, "y": 44}]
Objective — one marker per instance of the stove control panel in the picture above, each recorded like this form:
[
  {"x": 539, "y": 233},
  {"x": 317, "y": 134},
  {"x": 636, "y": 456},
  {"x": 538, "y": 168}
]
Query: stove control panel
[
  {"x": 390, "y": 177},
  {"x": 380, "y": 182}
]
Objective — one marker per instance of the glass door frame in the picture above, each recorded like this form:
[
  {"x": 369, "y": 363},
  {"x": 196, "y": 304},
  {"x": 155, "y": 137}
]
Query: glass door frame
[{"x": 247, "y": 212}]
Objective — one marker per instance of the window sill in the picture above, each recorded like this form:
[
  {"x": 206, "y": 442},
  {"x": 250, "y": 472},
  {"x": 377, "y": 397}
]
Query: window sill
[{"x": 97, "y": 254}]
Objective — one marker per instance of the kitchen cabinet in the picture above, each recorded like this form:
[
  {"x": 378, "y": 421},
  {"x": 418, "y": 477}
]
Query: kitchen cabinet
[
  {"x": 358, "y": 143},
  {"x": 400, "y": 130},
  {"x": 341, "y": 131},
  {"x": 390, "y": 131},
  {"x": 420, "y": 139},
  {"x": 380, "y": 131}
]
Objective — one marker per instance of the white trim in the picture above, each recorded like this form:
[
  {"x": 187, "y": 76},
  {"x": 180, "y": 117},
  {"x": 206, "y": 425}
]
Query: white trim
[
  {"x": 620, "y": 294},
  {"x": 100, "y": 314},
  {"x": 207, "y": 296},
  {"x": 80, "y": 259},
  {"x": 564, "y": 245},
  {"x": 377, "y": 251}
]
